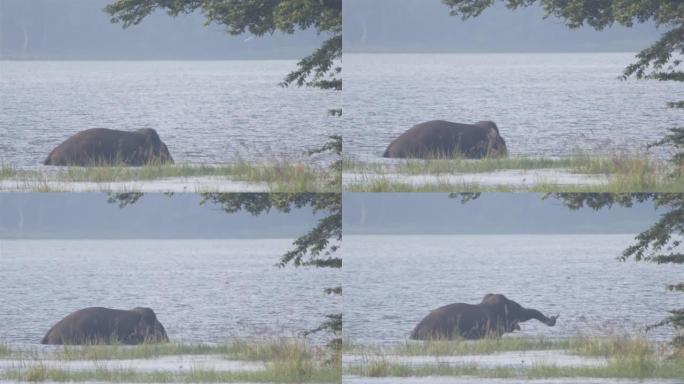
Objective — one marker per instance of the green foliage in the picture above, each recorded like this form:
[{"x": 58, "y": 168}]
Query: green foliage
[
  {"x": 319, "y": 69},
  {"x": 259, "y": 17},
  {"x": 660, "y": 244},
  {"x": 333, "y": 146},
  {"x": 674, "y": 139},
  {"x": 315, "y": 248}
]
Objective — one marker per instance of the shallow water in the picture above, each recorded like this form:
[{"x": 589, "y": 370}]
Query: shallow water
[
  {"x": 201, "y": 290},
  {"x": 205, "y": 111},
  {"x": 392, "y": 282},
  {"x": 543, "y": 104}
]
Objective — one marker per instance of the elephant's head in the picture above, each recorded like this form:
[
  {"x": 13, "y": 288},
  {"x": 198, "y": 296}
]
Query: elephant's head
[
  {"x": 158, "y": 152},
  {"x": 496, "y": 146},
  {"x": 512, "y": 313},
  {"x": 148, "y": 328}
]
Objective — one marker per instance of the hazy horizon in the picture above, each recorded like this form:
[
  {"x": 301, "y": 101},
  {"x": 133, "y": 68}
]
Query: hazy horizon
[
  {"x": 491, "y": 213},
  {"x": 154, "y": 216},
  {"x": 425, "y": 26},
  {"x": 81, "y": 30}
]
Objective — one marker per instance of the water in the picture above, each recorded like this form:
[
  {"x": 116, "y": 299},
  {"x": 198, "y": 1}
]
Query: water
[
  {"x": 201, "y": 290},
  {"x": 544, "y": 104},
  {"x": 392, "y": 282},
  {"x": 206, "y": 112}
]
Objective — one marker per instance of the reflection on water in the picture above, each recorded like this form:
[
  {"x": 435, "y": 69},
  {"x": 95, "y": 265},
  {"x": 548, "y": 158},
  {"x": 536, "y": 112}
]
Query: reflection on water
[
  {"x": 206, "y": 112},
  {"x": 201, "y": 290},
  {"x": 391, "y": 282}
]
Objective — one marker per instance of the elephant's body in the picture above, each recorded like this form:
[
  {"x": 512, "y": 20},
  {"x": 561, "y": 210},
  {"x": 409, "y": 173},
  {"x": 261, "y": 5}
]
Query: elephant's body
[
  {"x": 444, "y": 139},
  {"x": 493, "y": 317},
  {"x": 99, "y": 325},
  {"x": 102, "y": 146}
]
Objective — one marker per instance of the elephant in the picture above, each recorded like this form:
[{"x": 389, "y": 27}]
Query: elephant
[
  {"x": 439, "y": 138},
  {"x": 99, "y": 325},
  {"x": 102, "y": 146},
  {"x": 493, "y": 317}
]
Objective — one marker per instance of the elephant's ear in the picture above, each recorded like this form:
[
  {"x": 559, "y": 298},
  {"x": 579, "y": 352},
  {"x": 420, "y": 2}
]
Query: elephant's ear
[
  {"x": 147, "y": 316},
  {"x": 493, "y": 134}
]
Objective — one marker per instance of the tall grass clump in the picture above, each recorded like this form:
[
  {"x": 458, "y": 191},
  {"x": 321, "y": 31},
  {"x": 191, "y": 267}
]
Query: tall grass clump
[
  {"x": 278, "y": 349},
  {"x": 610, "y": 346},
  {"x": 5, "y": 350}
]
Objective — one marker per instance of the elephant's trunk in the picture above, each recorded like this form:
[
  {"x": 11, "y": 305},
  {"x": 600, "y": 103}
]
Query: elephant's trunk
[{"x": 534, "y": 314}]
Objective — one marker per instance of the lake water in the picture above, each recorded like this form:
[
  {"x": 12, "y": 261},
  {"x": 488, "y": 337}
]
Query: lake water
[
  {"x": 392, "y": 282},
  {"x": 201, "y": 290},
  {"x": 544, "y": 104},
  {"x": 205, "y": 111}
]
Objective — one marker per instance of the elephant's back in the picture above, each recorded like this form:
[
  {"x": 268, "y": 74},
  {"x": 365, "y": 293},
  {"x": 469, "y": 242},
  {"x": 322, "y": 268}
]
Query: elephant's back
[
  {"x": 433, "y": 136},
  {"x": 90, "y": 145},
  {"x": 82, "y": 324},
  {"x": 440, "y": 323}
]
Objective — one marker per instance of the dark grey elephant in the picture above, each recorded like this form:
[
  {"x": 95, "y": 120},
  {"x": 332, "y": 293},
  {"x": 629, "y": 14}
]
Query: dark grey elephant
[
  {"x": 101, "y": 146},
  {"x": 444, "y": 139},
  {"x": 99, "y": 325},
  {"x": 493, "y": 317}
]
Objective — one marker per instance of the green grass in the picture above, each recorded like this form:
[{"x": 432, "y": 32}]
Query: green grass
[
  {"x": 233, "y": 350},
  {"x": 579, "y": 345},
  {"x": 285, "y": 360},
  {"x": 5, "y": 350},
  {"x": 7, "y": 172},
  {"x": 615, "y": 183},
  {"x": 278, "y": 176},
  {"x": 578, "y": 163},
  {"x": 293, "y": 372},
  {"x": 625, "y": 357},
  {"x": 624, "y": 368},
  {"x": 623, "y": 172},
  {"x": 461, "y": 347}
]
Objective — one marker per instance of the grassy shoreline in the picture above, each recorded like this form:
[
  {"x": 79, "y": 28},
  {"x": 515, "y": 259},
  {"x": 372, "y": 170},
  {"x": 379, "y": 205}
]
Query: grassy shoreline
[
  {"x": 620, "y": 357},
  {"x": 578, "y": 163},
  {"x": 622, "y": 172},
  {"x": 578, "y": 345},
  {"x": 284, "y": 360},
  {"x": 277, "y": 176},
  {"x": 615, "y": 369}
]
